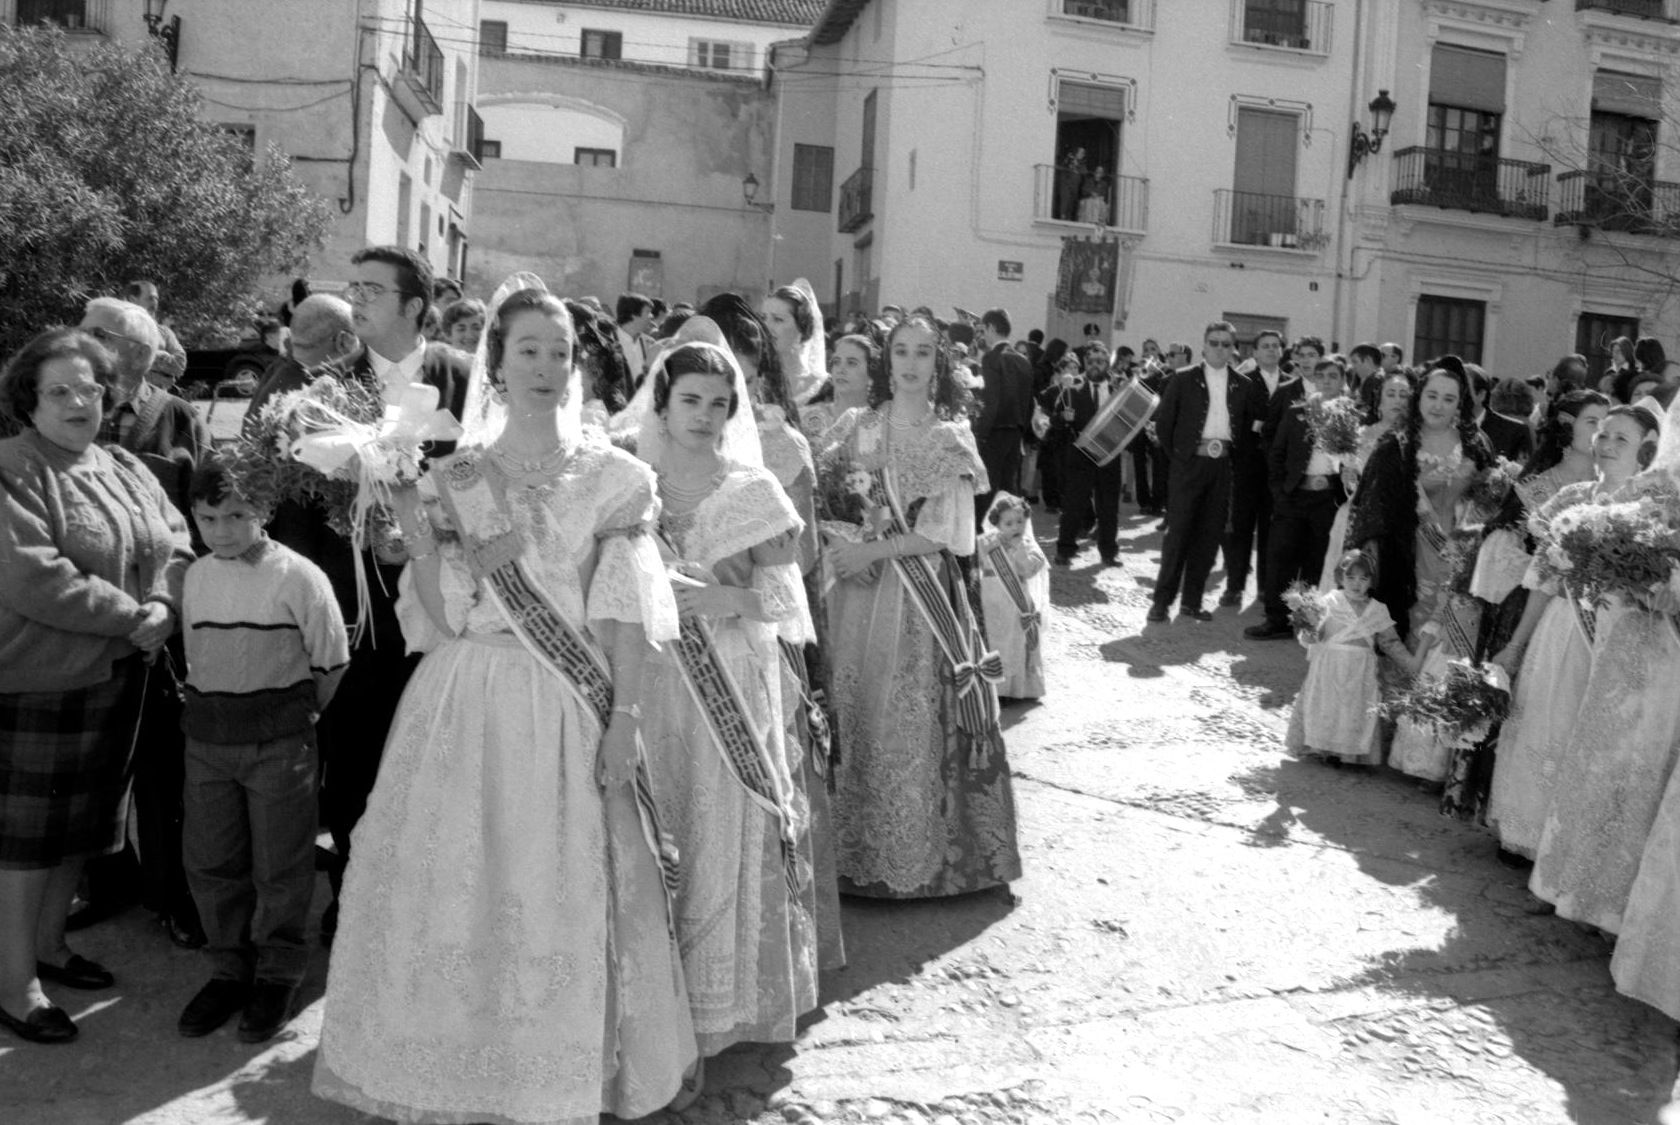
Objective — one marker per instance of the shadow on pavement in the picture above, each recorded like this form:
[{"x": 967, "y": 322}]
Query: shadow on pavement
[
  {"x": 906, "y": 935},
  {"x": 1501, "y": 980}
]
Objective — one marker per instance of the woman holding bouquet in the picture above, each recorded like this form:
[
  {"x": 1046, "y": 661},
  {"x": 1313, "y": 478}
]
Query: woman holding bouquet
[
  {"x": 504, "y": 950},
  {"x": 1549, "y": 653},
  {"x": 923, "y": 802},
  {"x": 1626, "y": 734}
]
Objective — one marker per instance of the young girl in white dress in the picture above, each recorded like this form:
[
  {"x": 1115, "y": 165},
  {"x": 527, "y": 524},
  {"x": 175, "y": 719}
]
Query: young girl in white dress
[
  {"x": 1335, "y": 716},
  {"x": 1015, "y": 595}
]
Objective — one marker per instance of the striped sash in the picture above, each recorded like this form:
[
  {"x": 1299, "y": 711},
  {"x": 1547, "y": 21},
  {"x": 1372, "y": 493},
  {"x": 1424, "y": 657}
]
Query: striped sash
[
  {"x": 550, "y": 639},
  {"x": 1586, "y": 619},
  {"x": 720, "y": 702},
  {"x": 1030, "y": 617},
  {"x": 974, "y": 670}
]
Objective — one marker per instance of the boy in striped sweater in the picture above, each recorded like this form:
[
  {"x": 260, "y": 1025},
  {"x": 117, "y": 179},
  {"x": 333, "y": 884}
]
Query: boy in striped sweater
[{"x": 266, "y": 646}]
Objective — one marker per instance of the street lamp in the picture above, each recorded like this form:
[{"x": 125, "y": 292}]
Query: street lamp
[
  {"x": 749, "y": 192},
  {"x": 1363, "y": 144},
  {"x": 168, "y": 35}
]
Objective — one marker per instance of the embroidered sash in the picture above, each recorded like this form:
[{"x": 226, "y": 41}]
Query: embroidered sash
[
  {"x": 1585, "y": 618},
  {"x": 496, "y": 560},
  {"x": 974, "y": 670},
  {"x": 1030, "y": 617},
  {"x": 720, "y": 702}
]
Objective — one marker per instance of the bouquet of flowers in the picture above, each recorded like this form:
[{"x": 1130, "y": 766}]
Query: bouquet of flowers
[
  {"x": 850, "y": 507},
  {"x": 1488, "y": 489},
  {"x": 1307, "y": 610},
  {"x": 1333, "y": 424},
  {"x": 336, "y": 445},
  {"x": 1463, "y": 702},
  {"x": 1627, "y": 550}
]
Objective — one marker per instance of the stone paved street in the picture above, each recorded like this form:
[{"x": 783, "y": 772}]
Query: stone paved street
[{"x": 1207, "y": 932}]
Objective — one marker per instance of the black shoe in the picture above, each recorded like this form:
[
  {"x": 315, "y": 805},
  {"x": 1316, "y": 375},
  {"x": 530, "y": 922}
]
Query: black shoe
[
  {"x": 1231, "y": 598},
  {"x": 183, "y": 930},
  {"x": 267, "y": 1011},
  {"x": 78, "y": 972},
  {"x": 1196, "y": 613},
  {"x": 47, "y": 1024},
  {"x": 1269, "y": 631},
  {"x": 1064, "y": 560},
  {"x": 1112, "y": 560},
  {"x": 215, "y": 1004},
  {"x": 1515, "y": 860},
  {"x": 1156, "y": 615}
]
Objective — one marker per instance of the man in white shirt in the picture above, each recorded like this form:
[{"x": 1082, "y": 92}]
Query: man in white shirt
[
  {"x": 634, "y": 316},
  {"x": 1251, "y": 501}
]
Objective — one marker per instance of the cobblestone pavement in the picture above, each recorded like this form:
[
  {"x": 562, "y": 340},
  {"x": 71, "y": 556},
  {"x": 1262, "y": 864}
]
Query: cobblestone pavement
[{"x": 1207, "y": 932}]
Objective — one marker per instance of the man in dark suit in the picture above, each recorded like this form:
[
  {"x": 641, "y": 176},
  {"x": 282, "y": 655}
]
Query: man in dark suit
[
  {"x": 1084, "y": 482},
  {"x": 1510, "y": 438},
  {"x": 389, "y": 291},
  {"x": 1251, "y": 500},
  {"x": 1005, "y": 408},
  {"x": 1306, "y": 487},
  {"x": 1208, "y": 413}
]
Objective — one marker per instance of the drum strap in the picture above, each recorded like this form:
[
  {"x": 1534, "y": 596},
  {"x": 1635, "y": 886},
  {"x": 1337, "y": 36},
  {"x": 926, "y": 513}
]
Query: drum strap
[{"x": 1030, "y": 618}]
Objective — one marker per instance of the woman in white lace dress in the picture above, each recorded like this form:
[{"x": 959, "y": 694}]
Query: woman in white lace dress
[
  {"x": 504, "y": 950},
  {"x": 724, "y": 769},
  {"x": 923, "y": 805}
]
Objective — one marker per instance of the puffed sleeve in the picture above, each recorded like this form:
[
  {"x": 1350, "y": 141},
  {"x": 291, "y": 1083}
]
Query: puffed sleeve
[
  {"x": 947, "y": 518},
  {"x": 780, "y": 585},
  {"x": 629, "y": 582}
]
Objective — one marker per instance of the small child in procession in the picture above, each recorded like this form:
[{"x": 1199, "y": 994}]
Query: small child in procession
[
  {"x": 1335, "y": 716},
  {"x": 266, "y": 647},
  {"x": 1015, "y": 595}
]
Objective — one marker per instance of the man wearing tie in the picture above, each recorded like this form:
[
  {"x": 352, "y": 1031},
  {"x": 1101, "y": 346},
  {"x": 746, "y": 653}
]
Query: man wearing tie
[
  {"x": 1251, "y": 500},
  {"x": 1208, "y": 412},
  {"x": 1084, "y": 482}
]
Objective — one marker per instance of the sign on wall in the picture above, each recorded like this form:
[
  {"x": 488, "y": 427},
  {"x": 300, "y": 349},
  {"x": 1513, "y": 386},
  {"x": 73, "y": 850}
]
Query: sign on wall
[
  {"x": 647, "y": 273},
  {"x": 1011, "y": 271}
]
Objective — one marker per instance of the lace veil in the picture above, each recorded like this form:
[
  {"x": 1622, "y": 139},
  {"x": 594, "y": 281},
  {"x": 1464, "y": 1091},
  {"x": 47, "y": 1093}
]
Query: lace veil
[
  {"x": 814, "y": 351},
  {"x": 740, "y": 434},
  {"x": 484, "y": 413}
]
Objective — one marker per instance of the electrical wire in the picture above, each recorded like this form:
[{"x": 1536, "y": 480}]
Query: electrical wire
[{"x": 334, "y": 96}]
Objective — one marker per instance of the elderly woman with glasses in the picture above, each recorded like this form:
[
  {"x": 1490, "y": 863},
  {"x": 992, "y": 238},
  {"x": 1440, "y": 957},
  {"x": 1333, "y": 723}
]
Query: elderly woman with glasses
[{"x": 92, "y": 555}]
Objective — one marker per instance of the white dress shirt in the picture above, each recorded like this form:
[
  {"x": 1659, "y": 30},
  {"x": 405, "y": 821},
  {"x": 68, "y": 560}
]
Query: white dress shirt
[
  {"x": 395, "y": 375},
  {"x": 1218, "y": 424},
  {"x": 633, "y": 356}
]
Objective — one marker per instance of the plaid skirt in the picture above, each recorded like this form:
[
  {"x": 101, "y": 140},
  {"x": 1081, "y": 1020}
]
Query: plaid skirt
[{"x": 66, "y": 758}]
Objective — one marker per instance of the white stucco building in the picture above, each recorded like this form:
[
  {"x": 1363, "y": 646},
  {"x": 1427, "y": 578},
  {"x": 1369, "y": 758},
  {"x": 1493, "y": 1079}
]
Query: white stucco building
[
  {"x": 371, "y": 99},
  {"x": 963, "y": 142}
]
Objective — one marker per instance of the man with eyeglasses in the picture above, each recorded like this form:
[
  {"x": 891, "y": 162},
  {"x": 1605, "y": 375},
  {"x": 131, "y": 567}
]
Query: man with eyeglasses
[
  {"x": 1208, "y": 413},
  {"x": 389, "y": 292}
]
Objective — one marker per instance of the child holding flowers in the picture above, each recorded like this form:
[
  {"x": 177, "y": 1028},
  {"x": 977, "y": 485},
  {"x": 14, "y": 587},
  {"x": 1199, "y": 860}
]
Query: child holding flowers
[
  {"x": 1335, "y": 716},
  {"x": 1015, "y": 594}
]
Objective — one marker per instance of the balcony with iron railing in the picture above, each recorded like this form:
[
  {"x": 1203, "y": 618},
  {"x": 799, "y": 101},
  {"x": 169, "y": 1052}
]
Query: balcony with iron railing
[
  {"x": 1619, "y": 201},
  {"x": 1064, "y": 195},
  {"x": 1667, "y": 11},
  {"x": 92, "y": 16},
  {"x": 1281, "y": 222},
  {"x": 1469, "y": 181},
  {"x": 857, "y": 200},
  {"x": 422, "y": 73},
  {"x": 1132, "y": 15},
  {"x": 1302, "y": 27}
]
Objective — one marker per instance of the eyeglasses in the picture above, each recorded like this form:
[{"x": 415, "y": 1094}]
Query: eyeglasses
[
  {"x": 106, "y": 336},
  {"x": 367, "y": 291},
  {"x": 62, "y": 394}
]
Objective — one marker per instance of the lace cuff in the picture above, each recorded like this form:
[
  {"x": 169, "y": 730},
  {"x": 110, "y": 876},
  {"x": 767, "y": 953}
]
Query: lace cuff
[
  {"x": 630, "y": 585},
  {"x": 781, "y": 590}
]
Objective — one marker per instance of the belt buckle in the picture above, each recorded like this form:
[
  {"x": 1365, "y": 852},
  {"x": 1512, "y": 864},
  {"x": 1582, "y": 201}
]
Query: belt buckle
[{"x": 1215, "y": 447}]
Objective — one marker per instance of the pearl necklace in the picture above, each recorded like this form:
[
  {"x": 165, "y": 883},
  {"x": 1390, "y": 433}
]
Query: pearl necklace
[
  {"x": 892, "y": 420},
  {"x": 689, "y": 495},
  {"x": 530, "y": 473}
]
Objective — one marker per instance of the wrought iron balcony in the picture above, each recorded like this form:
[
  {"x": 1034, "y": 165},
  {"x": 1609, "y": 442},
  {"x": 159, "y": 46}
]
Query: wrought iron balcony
[
  {"x": 71, "y": 15},
  {"x": 422, "y": 70},
  {"x": 857, "y": 200},
  {"x": 1468, "y": 181},
  {"x": 1619, "y": 201},
  {"x": 1067, "y": 196},
  {"x": 1283, "y": 222},
  {"x": 1290, "y": 25},
  {"x": 1667, "y": 11},
  {"x": 1136, "y": 14}
]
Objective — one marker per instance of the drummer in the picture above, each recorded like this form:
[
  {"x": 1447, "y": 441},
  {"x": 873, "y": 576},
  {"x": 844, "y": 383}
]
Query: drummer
[{"x": 1089, "y": 491}]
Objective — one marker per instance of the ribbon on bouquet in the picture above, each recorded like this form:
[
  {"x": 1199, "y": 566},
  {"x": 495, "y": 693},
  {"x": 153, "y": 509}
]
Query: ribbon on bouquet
[
  {"x": 1031, "y": 619},
  {"x": 975, "y": 670},
  {"x": 376, "y": 456}
]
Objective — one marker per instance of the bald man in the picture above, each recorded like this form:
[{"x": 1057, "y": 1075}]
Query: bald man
[{"x": 322, "y": 332}]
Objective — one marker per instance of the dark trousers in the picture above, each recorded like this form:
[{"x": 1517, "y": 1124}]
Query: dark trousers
[
  {"x": 1161, "y": 478},
  {"x": 250, "y": 853},
  {"x": 1084, "y": 485},
  {"x": 1300, "y": 536},
  {"x": 1001, "y": 454},
  {"x": 1198, "y": 503},
  {"x": 1251, "y": 522},
  {"x": 1142, "y": 466},
  {"x": 157, "y": 792},
  {"x": 1051, "y": 453}
]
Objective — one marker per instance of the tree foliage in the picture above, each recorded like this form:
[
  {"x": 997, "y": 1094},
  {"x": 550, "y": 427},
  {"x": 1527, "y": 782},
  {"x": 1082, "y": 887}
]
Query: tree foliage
[{"x": 109, "y": 171}]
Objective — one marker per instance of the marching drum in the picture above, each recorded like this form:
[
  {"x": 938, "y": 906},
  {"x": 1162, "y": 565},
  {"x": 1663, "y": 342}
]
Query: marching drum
[{"x": 1121, "y": 419}]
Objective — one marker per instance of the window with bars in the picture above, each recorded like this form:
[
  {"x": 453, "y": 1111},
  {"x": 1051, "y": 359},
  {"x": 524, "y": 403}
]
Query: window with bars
[
  {"x": 597, "y": 44},
  {"x": 595, "y": 157},
  {"x": 1449, "y": 326},
  {"x": 813, "y": 178}
]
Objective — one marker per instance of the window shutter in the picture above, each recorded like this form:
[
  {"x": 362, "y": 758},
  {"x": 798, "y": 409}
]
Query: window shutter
[
  {"x": 1467, "y": 79},
  {"x": 1633, "y": 94},
  {"x": 1073, "y": 100}
]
